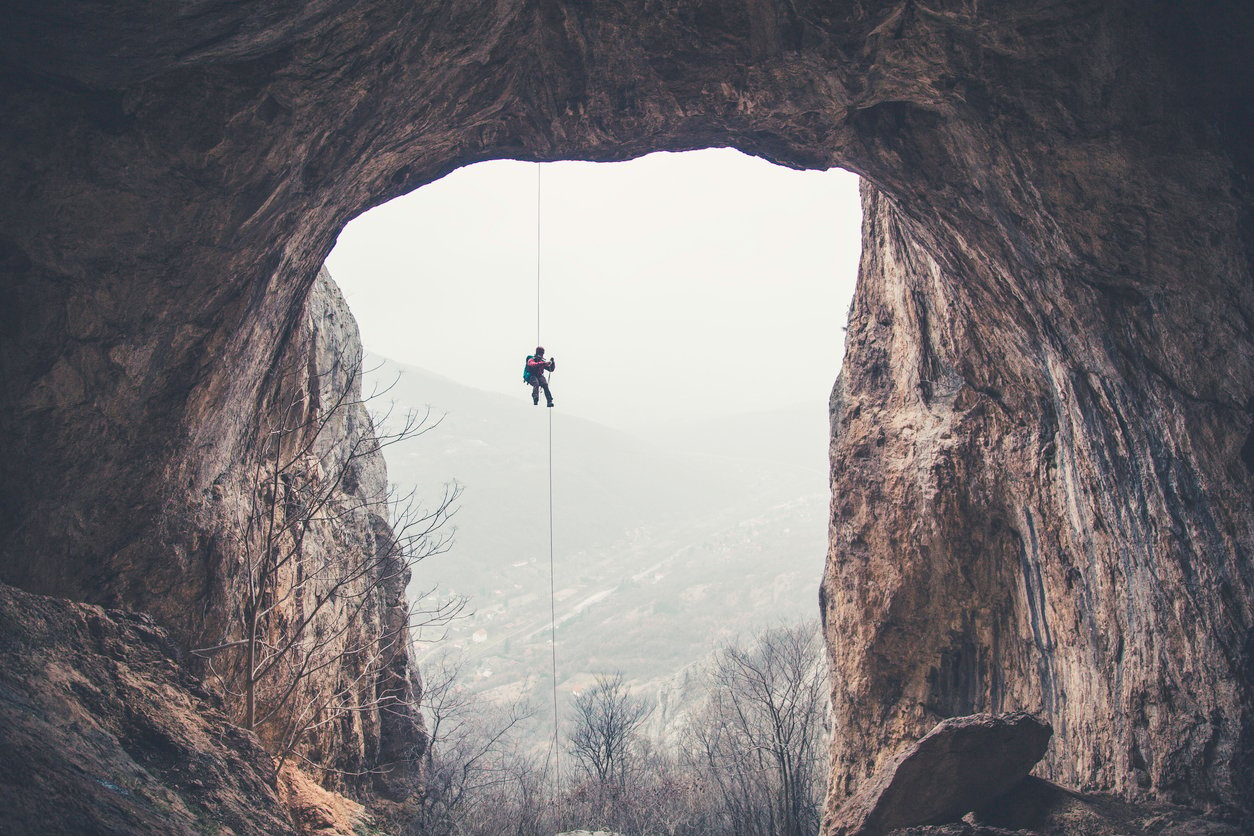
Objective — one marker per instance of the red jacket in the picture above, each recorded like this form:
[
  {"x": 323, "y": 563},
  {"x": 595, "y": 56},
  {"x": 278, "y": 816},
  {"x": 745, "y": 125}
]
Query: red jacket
[{"x": 538, "y": 367}]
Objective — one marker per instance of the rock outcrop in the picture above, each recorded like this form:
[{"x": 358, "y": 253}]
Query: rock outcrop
[
  {"x": 1027, "y": 515},
  {"x": 962, "y": 764},
  {"x": 102, "y": 731},
  {"x": 344, "y": 581},
  {"x": 317, "y": 812},
  {"x": 343, "y": 695},
  {"x": 1042, "y": 455}
]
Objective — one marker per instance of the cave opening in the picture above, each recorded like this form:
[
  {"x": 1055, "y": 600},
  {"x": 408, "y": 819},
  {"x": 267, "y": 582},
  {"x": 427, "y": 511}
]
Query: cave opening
[
  {"x": 1056, "y": 335},
  {"x": 695, "y": 303}
]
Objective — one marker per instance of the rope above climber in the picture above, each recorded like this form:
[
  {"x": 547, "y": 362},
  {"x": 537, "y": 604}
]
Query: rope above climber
[{"x": 533, "y": 375}]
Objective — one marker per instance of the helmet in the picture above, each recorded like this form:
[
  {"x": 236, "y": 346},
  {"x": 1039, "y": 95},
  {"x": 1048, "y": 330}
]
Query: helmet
[{"x": 539, "y": 349}]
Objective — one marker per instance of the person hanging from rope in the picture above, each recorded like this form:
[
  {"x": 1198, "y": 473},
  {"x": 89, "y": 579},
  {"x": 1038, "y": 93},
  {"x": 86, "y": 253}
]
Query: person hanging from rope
[{"x": 533, "y": 374}]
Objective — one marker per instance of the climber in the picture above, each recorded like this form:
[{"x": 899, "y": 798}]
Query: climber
[{"x": 534, "y": 375}]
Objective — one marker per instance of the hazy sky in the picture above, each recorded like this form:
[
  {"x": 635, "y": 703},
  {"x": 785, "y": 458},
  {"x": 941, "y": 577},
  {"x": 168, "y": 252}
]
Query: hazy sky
[{"x": 673, "y": 286}]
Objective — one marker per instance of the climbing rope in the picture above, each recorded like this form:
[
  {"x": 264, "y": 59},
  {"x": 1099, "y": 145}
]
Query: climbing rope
[
  {"x": 539, "y": 166},
  {"x": 557, "y": 750},
  {"x": 555, "y": 747}
]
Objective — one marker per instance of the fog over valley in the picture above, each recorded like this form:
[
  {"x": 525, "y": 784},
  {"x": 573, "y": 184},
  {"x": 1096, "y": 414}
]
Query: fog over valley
[{"x": 663, "y": 545}]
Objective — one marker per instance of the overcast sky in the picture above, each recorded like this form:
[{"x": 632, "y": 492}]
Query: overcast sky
[{"x": 674, "y": 286}]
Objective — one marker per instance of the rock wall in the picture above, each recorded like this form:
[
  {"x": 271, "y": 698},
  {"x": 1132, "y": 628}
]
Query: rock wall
[
  {"x": 302, "y": 515},
  {"x": 1041, "y": 456},
  {"x": 1016, "y": 526}
]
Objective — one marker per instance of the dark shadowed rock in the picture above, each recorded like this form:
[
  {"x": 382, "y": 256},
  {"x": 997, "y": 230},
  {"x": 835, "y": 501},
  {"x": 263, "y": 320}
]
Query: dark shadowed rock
[
  {"x": 961, "y": 828},
  {"x": 102, "y": 731},
  {"x": 963, "y": 763},
  {"x": 1042, "y": 807}
]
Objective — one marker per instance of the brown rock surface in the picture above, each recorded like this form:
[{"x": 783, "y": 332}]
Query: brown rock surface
[
  {"x": 1042, "y": 455},
  {"x": 1027, "y": 515},
  {"x": 962, "y": 764},
  {"x": 102, "y": 731},
  {"x": 316, "y": 811}
]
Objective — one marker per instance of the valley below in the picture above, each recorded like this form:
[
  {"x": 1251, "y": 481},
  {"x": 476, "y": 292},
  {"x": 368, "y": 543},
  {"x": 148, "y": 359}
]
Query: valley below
[{"x": 662, "y": 549}]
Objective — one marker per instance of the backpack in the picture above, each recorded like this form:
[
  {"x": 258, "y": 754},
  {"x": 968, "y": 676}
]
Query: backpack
[{"x": 527, "y": 370}]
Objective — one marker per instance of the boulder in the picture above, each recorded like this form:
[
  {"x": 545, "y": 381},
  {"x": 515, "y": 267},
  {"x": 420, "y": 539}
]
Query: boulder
[{"x": 962, "y": 764}]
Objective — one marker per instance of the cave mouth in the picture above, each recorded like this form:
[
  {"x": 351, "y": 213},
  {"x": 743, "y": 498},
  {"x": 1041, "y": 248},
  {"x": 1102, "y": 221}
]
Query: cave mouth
[
  {"x": 1059, "y": 295},
  {"x": 695, "y": 303}
]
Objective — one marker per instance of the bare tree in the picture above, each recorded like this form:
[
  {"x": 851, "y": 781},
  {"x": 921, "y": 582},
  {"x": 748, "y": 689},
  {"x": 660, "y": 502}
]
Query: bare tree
[
  {"x": 320, "y": 555},
  {"x": 665, "y": 798},
  {"x": 475, "y": 767},
  {"x": 759, "y": 740},
  {"x": 607, "y": 719},
  {"x": 753, "y": 763},
  {"x": 520, "y": 806}
]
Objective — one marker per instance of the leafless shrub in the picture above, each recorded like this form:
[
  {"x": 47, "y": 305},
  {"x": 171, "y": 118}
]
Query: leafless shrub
[
  {"x": 759, "y": 740},
  {"x": 478, "y": 780}
]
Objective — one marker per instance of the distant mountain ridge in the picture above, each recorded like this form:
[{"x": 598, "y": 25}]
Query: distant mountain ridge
[{"x": 497, "y": 448}]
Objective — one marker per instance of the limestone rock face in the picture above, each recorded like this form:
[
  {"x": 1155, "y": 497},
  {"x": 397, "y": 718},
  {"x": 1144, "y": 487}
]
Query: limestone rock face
[
  {"x": 1042, "y": 455},
  {"x": 1062, "y": 531}
]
